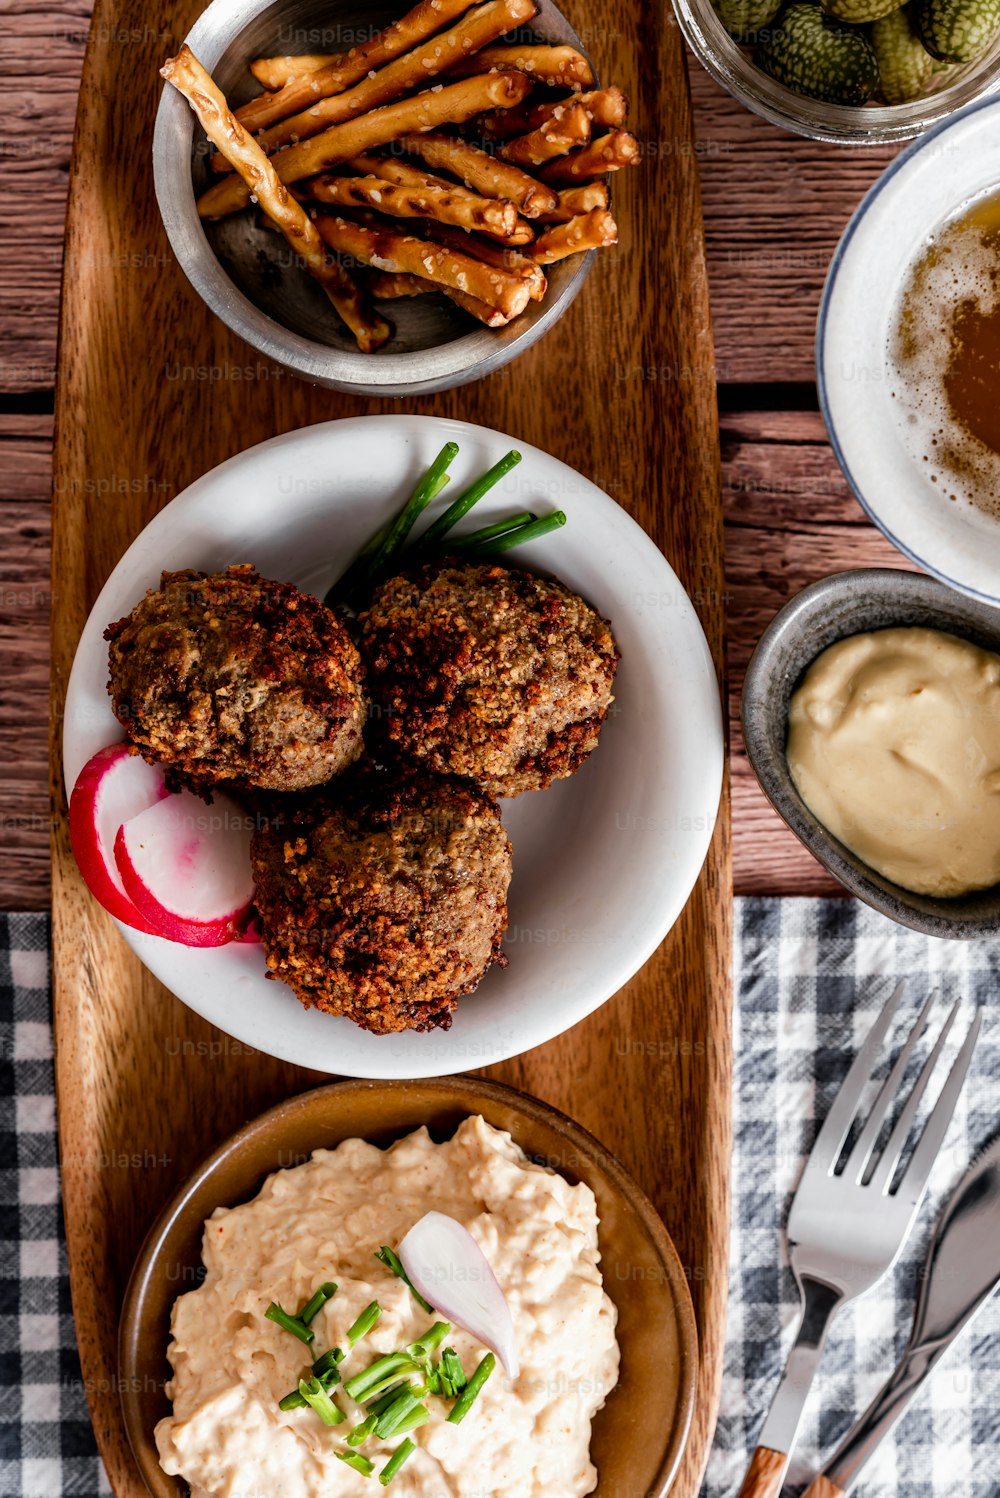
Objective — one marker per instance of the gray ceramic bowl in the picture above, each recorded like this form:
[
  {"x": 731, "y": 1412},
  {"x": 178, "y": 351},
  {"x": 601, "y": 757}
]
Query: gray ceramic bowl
[
  {"x": 847, "y": 604},
  {"x": 238, "y": 269}
]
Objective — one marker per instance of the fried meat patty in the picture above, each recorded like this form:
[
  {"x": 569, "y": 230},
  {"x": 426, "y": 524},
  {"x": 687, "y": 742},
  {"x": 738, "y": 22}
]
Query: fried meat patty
[
  {"x": 488, "y": 672},
  {"x": 229, "y": 678},
  {"x": 384, "y": 898}
]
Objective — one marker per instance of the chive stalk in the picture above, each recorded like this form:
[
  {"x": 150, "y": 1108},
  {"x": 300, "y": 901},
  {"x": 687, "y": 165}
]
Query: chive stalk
[
  {"x": 403, "y": 1404},
  {"x": 316, "y": 1396},
  {"x": 327, "y": 1364},
  {"x": 362, "y": 569},
  {"x": 403, "y": 1450},
  {"x": 472, "y": 1388},
  {"x": 392, "y": 1261},
  {"x": 463, "y": 504},
  {"x": 363, "y": 1325},
  {"x": 492, "y": 532},
  {"x": 288, "y": 1323},
  {"x": 362, "y": 1431},
  {"x": 316, "y": 1302},
  {"x": 452, "y": 1374},
  {"x": 429, "y": 486},
  {"x": 357, "y": 1461},
  {"x": 532, "y": 531},
  {"x": 417, "y": 1417}
]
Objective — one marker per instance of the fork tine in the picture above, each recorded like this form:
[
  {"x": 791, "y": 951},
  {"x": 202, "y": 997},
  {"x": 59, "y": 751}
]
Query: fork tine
[
  {"x": 861, "y": 1153},
  {"x": 911, "y": 1187},
  {"x": 831, "y": 1137},
  {"x": 884, "y": 1171}
]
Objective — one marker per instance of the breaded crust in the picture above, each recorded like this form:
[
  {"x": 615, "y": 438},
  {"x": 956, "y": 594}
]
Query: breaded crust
[
  {"x": 488, "y": 672},
  {"x": 383, "y": 898},
  {"x": 229, "y": 678}
]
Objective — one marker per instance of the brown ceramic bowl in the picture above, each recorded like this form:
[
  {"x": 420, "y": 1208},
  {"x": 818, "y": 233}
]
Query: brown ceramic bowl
[{"x": 640, "y": 1433}]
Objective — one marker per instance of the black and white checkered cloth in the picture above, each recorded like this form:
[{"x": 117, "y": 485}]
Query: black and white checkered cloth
[{"x": 811, "y": 976}]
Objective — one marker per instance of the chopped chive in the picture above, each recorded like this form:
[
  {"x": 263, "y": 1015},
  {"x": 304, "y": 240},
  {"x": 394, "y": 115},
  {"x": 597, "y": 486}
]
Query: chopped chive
[
  {"x": 363, "y": 1431},
  {"x": 431, "y": 1339},
  {"x": 413, "y": 1420},
  {"x": 328, "y": 1364},
  {"x": 452, "y": 1373},
  {"x": 492, "y": 532},
  {"x": 292, "y": 1401},
  {"x": 392, "y": 1261},
  {"x": 316, "y": 1302},
  {"x": 530, "y": 532},
  {"x": 403, "y": 1450},
  {"x": 470, "y": 496},
  {"x": 472, "y": 1388},
  {"x": 364, "y": 1323},
  {"x": 357, "y": 1461},
  {"x": 316, "y": 1396},
  {"x": 404, "y": 1402},
  {"x": 379, "y": 1406},
  {"x": 288, "y": 1323},
  {"x": 376, "y": 1377}
]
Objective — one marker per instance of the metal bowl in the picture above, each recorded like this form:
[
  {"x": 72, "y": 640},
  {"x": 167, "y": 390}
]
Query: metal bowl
[
  {"x": 245, "y": 274},
  {"x": 849, "y": 603}
]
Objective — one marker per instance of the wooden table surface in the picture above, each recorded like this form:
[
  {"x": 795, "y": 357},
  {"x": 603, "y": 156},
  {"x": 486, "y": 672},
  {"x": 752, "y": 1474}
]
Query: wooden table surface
[{"x": 774, "y": 208}]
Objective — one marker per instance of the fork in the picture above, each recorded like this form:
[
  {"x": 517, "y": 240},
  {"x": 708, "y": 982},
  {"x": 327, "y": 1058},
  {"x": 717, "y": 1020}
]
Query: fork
[{"x": 846, "y": 1229}]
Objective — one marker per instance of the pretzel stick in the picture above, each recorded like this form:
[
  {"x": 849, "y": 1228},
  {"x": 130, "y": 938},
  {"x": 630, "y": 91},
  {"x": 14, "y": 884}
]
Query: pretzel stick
[
  {"x": 392, "y": 169},
  {"x": 606, "y": 107},
  {"x": 275, "y": 72},
  {"x": 560, "y": 67},
  {"x": 451, "y": 103},
  {"x": 589, "y": 232},
  {"x": 385, "y": 286},
  {"x": 606, "y": 154},
  {"x": 481, "y": 171},
  {"x": 412, "y": 71},
  {"x": 413, "y": 202},
  {"x": 386, "y": 249},
  {"x": 188, "y": 76},
  {"x": 556, "y": 137},
  {"x": 576, "y": 200},
  {"x": 426, "y": 18},
  {"x": 499, "y": 256}
]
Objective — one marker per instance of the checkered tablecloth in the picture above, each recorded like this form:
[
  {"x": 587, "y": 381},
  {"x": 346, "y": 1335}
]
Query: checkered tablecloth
[{"x": 811, "y": 976}]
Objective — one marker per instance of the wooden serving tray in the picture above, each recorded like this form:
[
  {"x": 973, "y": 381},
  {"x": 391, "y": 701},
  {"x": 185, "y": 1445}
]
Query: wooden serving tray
[{"x": 153, "y": 391}]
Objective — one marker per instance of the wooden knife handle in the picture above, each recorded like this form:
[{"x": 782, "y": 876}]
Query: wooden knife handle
[
  {"x": 765, "y": 1474},
  {"x": 822, "y": 1487}
]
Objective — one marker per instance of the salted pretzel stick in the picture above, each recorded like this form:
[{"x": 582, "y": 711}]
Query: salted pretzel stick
[
  {"x": 576, "y": 200},
  {"x": 443, "y": 104},
  {"x": 481, "y": 171},
  {"x": 339, "y": 73},
  {"x": 499, "y": 256},
  {"x": 607, "y": 107},
  {"x": 560, "y": 67},
  {"x": 591, "y": 231},
  {"x": 556, "y": 137},
  {"x": 606, "y": 154},
  {"x": 275, "y": 72},
  {"x": 386, "y": 249},
  {"x": 391, "y": 169},
  {"x": 187, "y": 75},
  {"x": 385, "y": 286},
  {"x": 412, "y": 71},
  {"x": 413, "y": 202}
]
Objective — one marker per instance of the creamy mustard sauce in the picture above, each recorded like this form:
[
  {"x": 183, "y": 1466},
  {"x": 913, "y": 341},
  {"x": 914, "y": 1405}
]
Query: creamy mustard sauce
[
  {"x": 324, "y": 1220},
  {"x": 894, "y": 745}
]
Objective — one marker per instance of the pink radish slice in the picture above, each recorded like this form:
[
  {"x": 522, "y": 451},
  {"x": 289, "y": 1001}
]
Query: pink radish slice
[
  {"x": 112, "y": 787},
  {"x": 450, "y": 1270},
  {"x": 186, "y": 866}
]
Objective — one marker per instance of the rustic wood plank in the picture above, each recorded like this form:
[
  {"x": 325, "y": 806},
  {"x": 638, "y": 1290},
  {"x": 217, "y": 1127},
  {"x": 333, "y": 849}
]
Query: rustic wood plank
[{"x": 671, "y": 1123}]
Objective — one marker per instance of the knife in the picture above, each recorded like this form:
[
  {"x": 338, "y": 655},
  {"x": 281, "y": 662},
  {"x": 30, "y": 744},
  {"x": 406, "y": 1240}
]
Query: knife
[{"x": 961, "y": 1271}]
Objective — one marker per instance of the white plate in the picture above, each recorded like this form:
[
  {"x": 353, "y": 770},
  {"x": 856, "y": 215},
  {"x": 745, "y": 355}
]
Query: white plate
[
  {"x": 878, "y": 449},
  {"x": 603, "y": 862}
]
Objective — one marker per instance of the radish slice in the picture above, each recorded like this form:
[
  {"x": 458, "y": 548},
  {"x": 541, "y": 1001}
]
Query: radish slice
[
  {"x": 111, "y": 788},
  {"x": 446, "y": 1264},
  {"x": 186, "y": 866}
]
